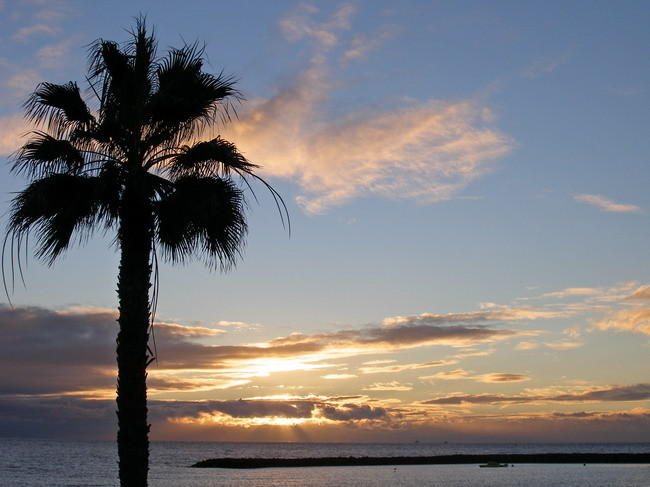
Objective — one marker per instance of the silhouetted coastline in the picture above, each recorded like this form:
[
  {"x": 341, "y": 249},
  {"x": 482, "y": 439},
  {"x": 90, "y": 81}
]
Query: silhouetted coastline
[{"x": 586, "y": 458}]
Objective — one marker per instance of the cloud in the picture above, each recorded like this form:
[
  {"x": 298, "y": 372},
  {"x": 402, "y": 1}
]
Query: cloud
[
  {"x": 72, "y": 351},
  {"x": 239, "y": 325},
  {"x": 339, "y": 376},
  {"x": 564, "y": 345},
  {"x": 17, "y": 82},
  {"x": 352, "y": 412},
  {"x": 627, "y": 320},
  {"x": 500, "y": 377},
  {"x": 460, "y": 374},
  {"x": 472, "y": 353},
  {"x": 49, "y": 352},
  {"x": 572, "y": 292},
  {"x": 12, "y": 130},
  {"x": 457, "y": 374},
  {"x": 635, "y": 318},
  {"x": 638, "y": 392},
  {"x": 389, "y": 369},
  {"x": 57, "y": 417},
  {"x": 426, "y": 151},
  {"x": 161, "y": 382},
  {"x": 527, "y": 346},
  {"x": 641, "y": 294},
  {"x": 543, "y": 66},
  {"x": 504, "y": 313},
  {"x": 425, "y": 330},
  {"x": 361, "y": 45},
  {"x": 26, "y": 33},
  {"x": 606, "y": 204},
  {"x": 270, "y": 409},
  {"x": 327, "y": 419},
  {"x": 388, "y": 386},
  {"x": 52, "y": 56},
  {"x": 254, "y": 409},
  {"x": 626, "y": 92}
]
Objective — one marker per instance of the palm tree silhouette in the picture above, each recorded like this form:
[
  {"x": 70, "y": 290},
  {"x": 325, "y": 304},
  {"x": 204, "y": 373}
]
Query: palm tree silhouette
[{"x": 134, "y": 165}]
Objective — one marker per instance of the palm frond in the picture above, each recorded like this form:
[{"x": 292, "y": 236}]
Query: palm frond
[
  {"x": 216, "y": 157},
  {"x": 107, "y": 62},
  {"x": 60, "y": 107},
  {"x": 220, "y": 158},
  {"x": 44, "y": 154},
  {"x": 188, "y": 98},
  {"x": 55, "y": 207},
  {"x": 124, "y": 83},
  {"x": 203, "y": 217},
  {"x": 143, "y": 49}
]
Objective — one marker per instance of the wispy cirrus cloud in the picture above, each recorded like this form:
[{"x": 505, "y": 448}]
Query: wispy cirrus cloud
[
  {"x": 426, "y": 151},
  {"x": 370, "y": 368},
  {"x": 361, "y": 45},
  {"x": 55, "y": 55},
  {"x": 339, "y": 376},
  {"x": 605, "y": 204},
  {"x": 494, "y": 377},
  {"x": 640, "y": 294},
  {"x": 564, "y": 345},
  {"x": 388, "y": 386},
  {"x": 572, "y": 292},
  {"x": 26, "y": 33},
  {"x": 527, "y": 346},
  {"x": 635, "y": 318},
  {"x": 543, "y": 66}
]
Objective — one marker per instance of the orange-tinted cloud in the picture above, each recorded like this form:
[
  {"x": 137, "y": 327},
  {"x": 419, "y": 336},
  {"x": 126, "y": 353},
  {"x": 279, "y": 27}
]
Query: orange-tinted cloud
[
  {"x": 388, "y": 386},
  {"x": 369, "y": 368},
  {"x": 564, "y": 345},
  {"x": 426, "y": 151},
  {"x": 634, "y": 318},
  {"x": 74, "y": 350},
  {"x": 627, "y": 320},
  {"x": 606, "y": 204},
  {"x": 12, "y": 130},
  {"x": 461, "y": 374}
]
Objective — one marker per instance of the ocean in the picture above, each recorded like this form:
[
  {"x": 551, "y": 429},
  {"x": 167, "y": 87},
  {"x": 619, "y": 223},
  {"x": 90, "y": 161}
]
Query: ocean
[{"x": 57, "y": 463}]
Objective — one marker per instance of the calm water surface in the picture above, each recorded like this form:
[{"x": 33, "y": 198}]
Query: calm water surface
[{"x": 49, "y": 463}]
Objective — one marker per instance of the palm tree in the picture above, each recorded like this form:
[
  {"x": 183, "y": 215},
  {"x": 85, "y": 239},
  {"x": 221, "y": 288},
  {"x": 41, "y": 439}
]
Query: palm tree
[{"x": 134, "y": 165}]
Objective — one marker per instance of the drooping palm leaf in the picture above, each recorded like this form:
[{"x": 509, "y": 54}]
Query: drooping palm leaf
[
  {"x": 44, "y": 155},
  {"x": 55, "y": 208},
  {"x": 216, "y": 157},
  {"x": 202, "y": 217}
]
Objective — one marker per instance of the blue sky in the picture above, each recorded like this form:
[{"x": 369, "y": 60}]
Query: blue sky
[{"x": 467, "y": 184}]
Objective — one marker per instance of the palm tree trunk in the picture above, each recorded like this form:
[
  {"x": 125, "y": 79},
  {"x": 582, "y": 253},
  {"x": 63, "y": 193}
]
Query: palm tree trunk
[{"x": 135, "y": 240}]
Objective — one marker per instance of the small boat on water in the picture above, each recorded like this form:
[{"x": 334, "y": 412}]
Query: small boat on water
[{"x": 493, "y": 465}]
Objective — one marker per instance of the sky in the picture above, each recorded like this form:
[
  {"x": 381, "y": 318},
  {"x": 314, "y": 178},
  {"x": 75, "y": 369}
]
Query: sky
[{"x": 467, "y": 183}]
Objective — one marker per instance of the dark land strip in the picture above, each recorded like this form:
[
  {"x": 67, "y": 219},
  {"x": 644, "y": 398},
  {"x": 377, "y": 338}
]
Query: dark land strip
[{"x": 432, "y": 460}]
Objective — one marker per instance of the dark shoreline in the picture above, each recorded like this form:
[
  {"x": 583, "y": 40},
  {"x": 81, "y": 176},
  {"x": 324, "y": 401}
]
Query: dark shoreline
[{"x": 430, "y": 460}]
